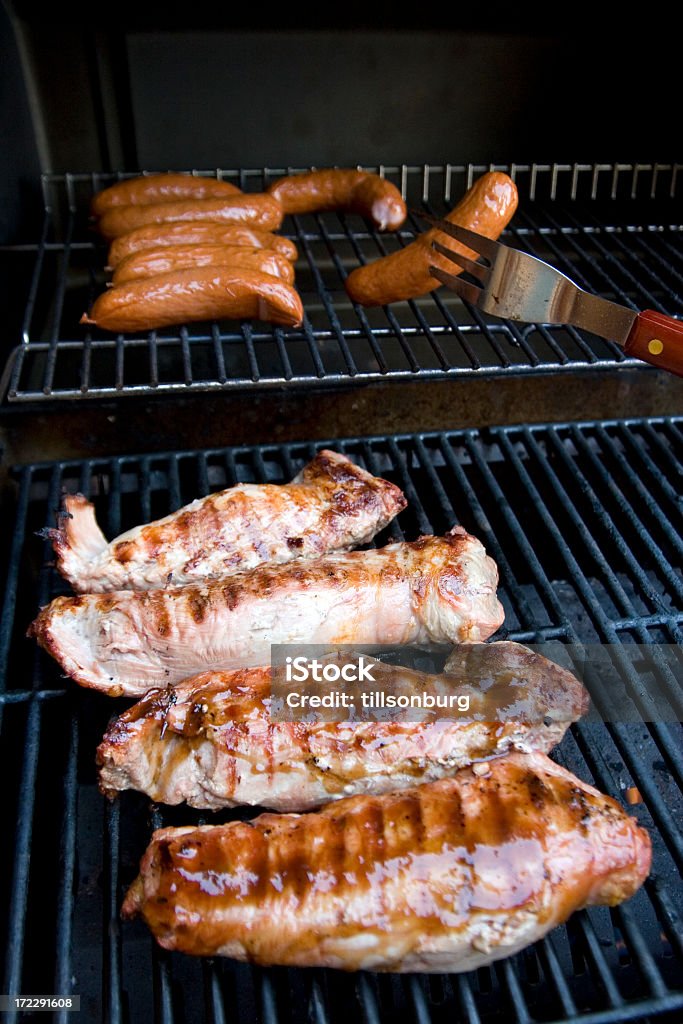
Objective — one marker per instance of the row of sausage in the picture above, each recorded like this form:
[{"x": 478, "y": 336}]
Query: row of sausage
[{"x": 185, "y": 248}]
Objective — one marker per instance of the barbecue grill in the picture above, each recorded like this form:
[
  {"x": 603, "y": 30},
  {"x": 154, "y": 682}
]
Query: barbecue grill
[
  {"x": 562, "y": 508},
  {"x": 583, "y": 518}
]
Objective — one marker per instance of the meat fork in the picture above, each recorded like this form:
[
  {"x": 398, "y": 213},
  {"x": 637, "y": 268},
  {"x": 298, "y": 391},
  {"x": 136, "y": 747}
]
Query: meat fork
[{"x": 516, "y": 286}]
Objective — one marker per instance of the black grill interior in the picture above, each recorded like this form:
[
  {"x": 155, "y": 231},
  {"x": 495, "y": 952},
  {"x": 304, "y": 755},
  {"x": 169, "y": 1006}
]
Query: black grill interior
[
  {"x": 613, "y": 228},
  {"x": 584, "y": 521}
]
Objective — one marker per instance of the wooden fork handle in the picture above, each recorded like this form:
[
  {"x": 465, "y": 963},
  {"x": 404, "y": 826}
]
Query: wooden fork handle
[{"x": 657, "y": 339}]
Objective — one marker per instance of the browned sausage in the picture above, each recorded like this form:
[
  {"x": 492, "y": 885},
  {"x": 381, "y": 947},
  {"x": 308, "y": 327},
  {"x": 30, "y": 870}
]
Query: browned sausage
[
  {"x": 257, "y": 209},
  {"x": 486, "y": 208},
  {"x": 193, "y": 232},
  {"x": 336, "y": 189},
  {"x": 218, "y": 293},
  {"x": 160, "y": 188},
  {"x": 151, "y": 262}
]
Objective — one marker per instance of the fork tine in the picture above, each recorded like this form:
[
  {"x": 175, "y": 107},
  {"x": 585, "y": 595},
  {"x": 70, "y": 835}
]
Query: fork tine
[
  {"x": 469, "y": 292},
  {"x": 475, "y": 269},
  {"x": 486, "y": 246}
]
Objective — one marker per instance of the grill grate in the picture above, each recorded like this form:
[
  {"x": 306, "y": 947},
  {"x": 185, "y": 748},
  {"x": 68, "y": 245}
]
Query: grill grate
[
  {"x": 562, "y": 509},
  {"x": 614, "y": 228},
  {"x": 579, "y": 561}
]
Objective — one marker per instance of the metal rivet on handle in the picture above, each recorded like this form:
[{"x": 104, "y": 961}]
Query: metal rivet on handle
[{"x": 655, "y": 347}]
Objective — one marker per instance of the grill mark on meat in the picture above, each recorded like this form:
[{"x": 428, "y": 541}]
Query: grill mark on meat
[
  {"x": 198, "y": 603},
  {"x": 400, "y": 826},
  {"x": 538, "y": 791},
  {"x": 332, "y": 505},
  {"x": 372, "y": 829},
  {"x": 385, "y": 595},
  {"x": 450, "y": 897},
  {"x": 337, "y": 471},
  {"x": 231, "y": 593},
  {"x": 578, "y": 806},
  {"x": 457, "y": 818},
  {"x": 160, "y": 617},
  {"x": 304, "y": 764},
  {"x": 258, "y": 871},
  {"x": 291, "y": 860},
  {"x": 495, "y": 827},
  {"x": 124, "y": 551}
]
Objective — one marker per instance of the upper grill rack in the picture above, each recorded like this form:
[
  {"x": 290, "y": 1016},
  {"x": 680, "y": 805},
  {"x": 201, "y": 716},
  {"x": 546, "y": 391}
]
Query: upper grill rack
[
  {"x": 611, "y": 227},
  {"x": 584, "y": 521}
]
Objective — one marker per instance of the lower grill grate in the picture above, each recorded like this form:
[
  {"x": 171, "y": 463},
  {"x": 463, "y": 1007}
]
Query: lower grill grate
[
  {"x": 613, "y": 228},
  {"x": 584, "y": 521}
]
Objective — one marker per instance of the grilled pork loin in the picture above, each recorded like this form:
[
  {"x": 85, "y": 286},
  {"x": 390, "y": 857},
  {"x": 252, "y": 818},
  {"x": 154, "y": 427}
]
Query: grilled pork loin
[
  {"x": 331, "y": 505},
  {"x": 211, "y": 741},
  {"x": 447, "y": 876},
  {"x": 126, "y": 642}
]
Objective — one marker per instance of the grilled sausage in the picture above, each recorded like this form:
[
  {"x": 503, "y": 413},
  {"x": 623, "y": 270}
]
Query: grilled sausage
[
  {"x": 448, "y": 876},
  {"x": 126, "y": 642},
  {"x": 486, "y": 208},
  {"x": 184, "y": 296},
  {"x": 212, "y": 742},
  {"x": 153, "y": 236},
  {"x": 166, "y": 258},
  {"x": 353, "y": 191},
  {"x": 331, "y": 505},
  {"x": 259, "y": 210},
  {"x": 160, "y": 188}
]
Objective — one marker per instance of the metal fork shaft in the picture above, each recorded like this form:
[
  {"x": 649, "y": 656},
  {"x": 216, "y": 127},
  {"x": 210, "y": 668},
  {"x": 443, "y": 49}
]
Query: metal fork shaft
[{"x": 602, "y": 317}]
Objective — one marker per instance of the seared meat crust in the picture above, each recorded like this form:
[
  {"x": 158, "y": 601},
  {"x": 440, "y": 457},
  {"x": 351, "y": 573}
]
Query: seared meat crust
[
  {"x": 331, "y": 505},
  {"x": 436, "y": 588},
  {"x": 447, "y": 876},
  {"x": 212, "y": 743}
]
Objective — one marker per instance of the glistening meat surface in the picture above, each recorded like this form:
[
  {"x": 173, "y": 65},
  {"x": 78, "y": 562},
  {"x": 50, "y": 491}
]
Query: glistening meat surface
[
  {"x": 331, "y": 505},
  {"x": 447, "y": 876},
  {"x": 126, "y": 642},
  {"x": 212, "y": 743}
]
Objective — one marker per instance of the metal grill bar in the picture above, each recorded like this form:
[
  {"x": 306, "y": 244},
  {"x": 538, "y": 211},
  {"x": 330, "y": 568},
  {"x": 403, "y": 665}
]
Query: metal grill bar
[
  {"x": 600, "y": 264},
  {"x": 20, "y": 881},
  {"x": 561, "y": 261},
  {"x": 637, "y": 278},
  {"x": 27, "y": 788},
  {"x": 591, "y": 221},
  {"x": 67, "y": 861},
  {"x": 667, "y": 914},
  {"x": 553, "y": 970},
  {"x": 511, "y": 487},
  {"x": 11, "y": 586},
  {"x": 466, "y": 999},
  {"x": 423, "y": 325},
  {"x": 111, "y": 939},
  {"x": 18, "y": 696},
  {"x": 611, "y": 578},
  {"x": 35, "y": 280},
  {"x": 60, "y": 293},
  {"x": 303, "y": 239},
  {"x": 634, "y": 483},
  {"x": 587, "y": 591}
]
